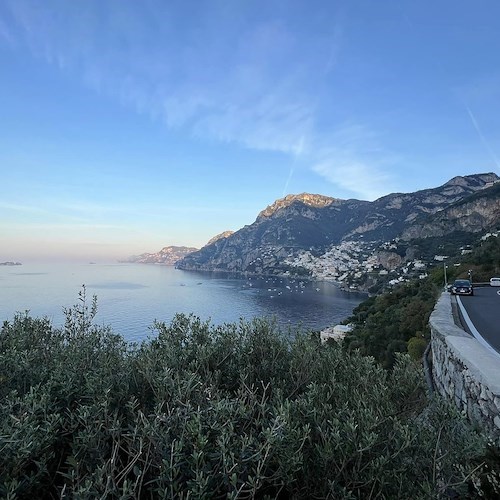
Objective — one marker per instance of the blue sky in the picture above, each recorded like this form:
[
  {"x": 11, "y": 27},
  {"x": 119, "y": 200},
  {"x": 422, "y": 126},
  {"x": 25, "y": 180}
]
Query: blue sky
[{"x": 127, "y": 125}]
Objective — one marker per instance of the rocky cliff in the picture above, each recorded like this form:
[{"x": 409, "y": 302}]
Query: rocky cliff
[
  {"x": 220, "y": 236},
  {"x": 474, "y": 214},
  {"x": 315, "y": 223},
  {"x": 311, "y": 200}
]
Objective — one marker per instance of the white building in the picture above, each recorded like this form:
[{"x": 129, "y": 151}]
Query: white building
[{"x": 338, "y": 332}]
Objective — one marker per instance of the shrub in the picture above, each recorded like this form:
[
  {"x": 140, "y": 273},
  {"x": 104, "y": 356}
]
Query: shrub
[
  {"x": 233, "y": 411},
  {"x": 384, "y": 324},
  {"x": 416, "y": 348}
]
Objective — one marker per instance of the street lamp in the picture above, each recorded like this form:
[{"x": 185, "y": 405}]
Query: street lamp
[{"x": 445, "y": 277}]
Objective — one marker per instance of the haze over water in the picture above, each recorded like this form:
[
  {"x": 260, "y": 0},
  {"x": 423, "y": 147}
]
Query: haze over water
[{"x": 132, "y": 296}]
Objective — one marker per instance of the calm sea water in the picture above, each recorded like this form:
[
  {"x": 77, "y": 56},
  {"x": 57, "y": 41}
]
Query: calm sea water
[{"x": 131, "y": 296}]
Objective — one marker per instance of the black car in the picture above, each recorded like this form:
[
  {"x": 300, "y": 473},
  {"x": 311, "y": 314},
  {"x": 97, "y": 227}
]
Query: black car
[{"x": 462, "y": 287}]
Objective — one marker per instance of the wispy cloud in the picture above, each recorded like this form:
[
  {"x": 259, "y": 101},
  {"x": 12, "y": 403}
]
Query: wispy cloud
[
  {"x": 353, "y": 176},
  {"x": 258, "y": 84},
  {"x": 81, "y": 213},
  {"x": 5, "y": 32},
  {"x": 335, "y": 48},
  {"x": 353, "y": 158},
  {"x": 75, "y": 214},
  {"x": 17, "y": 207},
  {"x": 486, "y": 144},
  {"x": 297, "y": 153}
]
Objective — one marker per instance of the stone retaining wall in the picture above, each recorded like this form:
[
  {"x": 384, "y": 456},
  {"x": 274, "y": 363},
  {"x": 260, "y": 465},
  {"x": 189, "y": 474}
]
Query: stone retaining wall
[{"x": 463, "y": 370}]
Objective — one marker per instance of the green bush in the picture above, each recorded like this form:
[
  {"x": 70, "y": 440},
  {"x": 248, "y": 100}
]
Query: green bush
[
  {"x": 233, "y": 411},
  {"x": 384, "y": 324},
  {"x": 416, "y": 348}
]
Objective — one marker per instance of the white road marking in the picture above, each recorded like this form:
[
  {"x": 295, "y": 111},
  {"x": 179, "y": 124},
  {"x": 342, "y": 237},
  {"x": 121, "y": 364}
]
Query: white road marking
[{"x": 473, "y": 329}]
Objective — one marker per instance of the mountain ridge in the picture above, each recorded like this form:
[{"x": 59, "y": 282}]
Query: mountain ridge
[
  {"x": 313, "y": 200},
  {"x": 310, "y": 223}
]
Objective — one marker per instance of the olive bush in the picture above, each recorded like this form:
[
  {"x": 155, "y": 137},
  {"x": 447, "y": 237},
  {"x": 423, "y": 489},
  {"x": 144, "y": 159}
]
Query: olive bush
[{"x": 233, "y": 411}]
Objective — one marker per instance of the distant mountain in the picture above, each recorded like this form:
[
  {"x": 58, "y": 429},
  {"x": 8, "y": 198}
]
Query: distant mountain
[
  {"x": 10, "y": 263},
  {"x": 168, "y": 256},
  {"x": 315, "y": 224}
]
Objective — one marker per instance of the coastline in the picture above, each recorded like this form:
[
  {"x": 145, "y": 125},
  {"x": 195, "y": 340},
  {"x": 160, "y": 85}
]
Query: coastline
[{"x": 308, "y": 278}]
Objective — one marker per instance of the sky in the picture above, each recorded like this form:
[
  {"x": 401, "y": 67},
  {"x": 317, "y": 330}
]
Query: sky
[{"x": 127, "y": 125}]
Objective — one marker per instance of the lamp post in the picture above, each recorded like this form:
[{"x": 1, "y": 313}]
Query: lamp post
[{"x": 445, "y": 277}]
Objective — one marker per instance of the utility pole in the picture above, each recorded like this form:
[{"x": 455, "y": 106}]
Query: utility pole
[{"x": 445, "y": 277}]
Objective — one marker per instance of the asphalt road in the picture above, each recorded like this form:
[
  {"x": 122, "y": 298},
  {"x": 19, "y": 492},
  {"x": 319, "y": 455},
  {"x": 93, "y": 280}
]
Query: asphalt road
[{"x": 483, "y": 309}]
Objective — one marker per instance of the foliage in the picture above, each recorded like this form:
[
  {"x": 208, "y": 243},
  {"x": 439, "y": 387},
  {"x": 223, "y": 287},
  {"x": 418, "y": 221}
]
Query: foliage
[
  {"x": 393, "y": 321},
  {"x": 449, "y": 245},
  {"x": 232, "y": 411},
  {"x": 484, "y": 262},
  {"x": 416, "y": 347},
  {"x": 384, "y": 324}
]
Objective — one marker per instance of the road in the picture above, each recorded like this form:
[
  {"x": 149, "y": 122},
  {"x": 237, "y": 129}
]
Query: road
[{"x": 483, "y": 310}]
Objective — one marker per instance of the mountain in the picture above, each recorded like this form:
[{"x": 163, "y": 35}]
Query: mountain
[
  {"x": 312, "y": 200},
  {"x": 473, "y": 214},
  {"x": 320, "y": 226},
  {"x": 220, "y": 236},
  {"x": 167, "y": 255}
]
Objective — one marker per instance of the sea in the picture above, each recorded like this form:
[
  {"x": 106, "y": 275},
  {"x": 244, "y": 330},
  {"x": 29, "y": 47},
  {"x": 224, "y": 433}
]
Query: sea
[{"x": 131, "y": 297}]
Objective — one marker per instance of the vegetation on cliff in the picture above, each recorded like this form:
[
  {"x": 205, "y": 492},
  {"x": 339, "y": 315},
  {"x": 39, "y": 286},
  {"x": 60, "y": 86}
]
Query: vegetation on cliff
[
  {"x": 236, "y": 411},
  {"x": 386, "y": 323},
  {"x": 484, "y": 262},
  {"x": 398, "y": 320}
]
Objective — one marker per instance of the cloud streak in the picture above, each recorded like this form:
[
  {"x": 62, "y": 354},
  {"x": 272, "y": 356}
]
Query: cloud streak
[
  {"x": 354, "y": 176},
  {"x": 483, "y": 138},
  {"x": 352, "y": 158},
  {"x": 257, "y": 84}
]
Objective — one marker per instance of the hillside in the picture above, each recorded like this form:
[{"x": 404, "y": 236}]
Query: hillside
[
  {"x": 326, "y": 237},
  {"x": 476, "y": 213},
  {"x": 398, "y": 320}
]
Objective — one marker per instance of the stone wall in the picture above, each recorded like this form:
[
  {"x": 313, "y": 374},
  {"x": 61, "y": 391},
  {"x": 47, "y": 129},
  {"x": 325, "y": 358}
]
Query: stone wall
[{"x": 463, "y": 370}]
